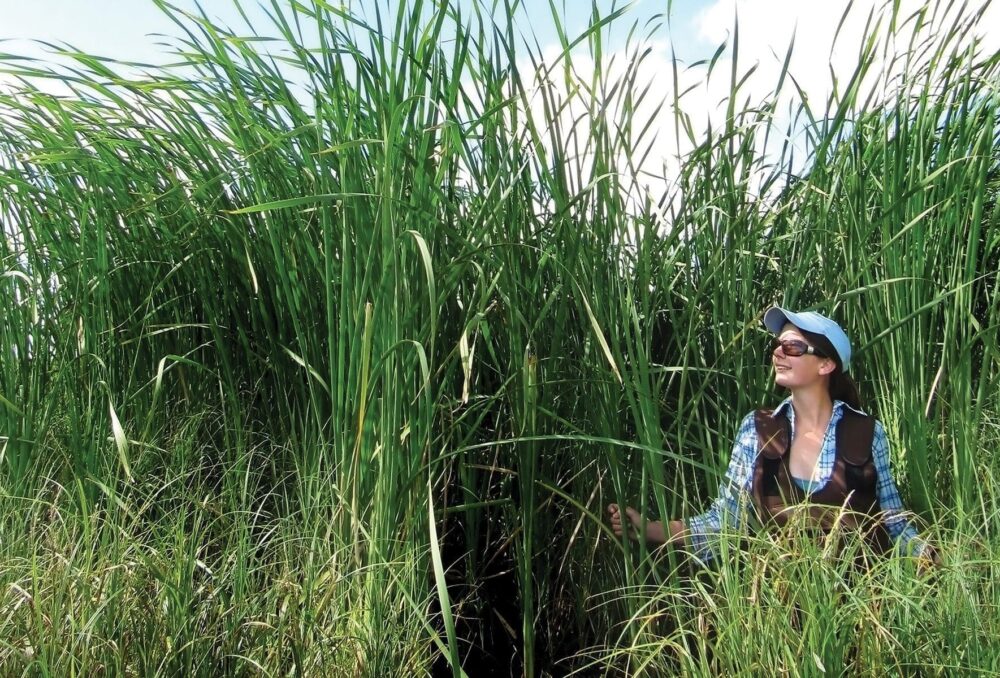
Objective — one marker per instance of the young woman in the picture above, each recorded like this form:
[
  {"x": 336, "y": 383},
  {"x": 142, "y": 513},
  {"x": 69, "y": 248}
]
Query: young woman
[{"x": 817, "y": 444}]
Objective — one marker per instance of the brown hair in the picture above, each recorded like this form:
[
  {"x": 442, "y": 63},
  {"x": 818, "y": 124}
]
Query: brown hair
[{"x": 840, "y": 386}]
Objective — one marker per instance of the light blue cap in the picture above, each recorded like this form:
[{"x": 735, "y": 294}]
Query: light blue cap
[{"x": 810, "y": 321}]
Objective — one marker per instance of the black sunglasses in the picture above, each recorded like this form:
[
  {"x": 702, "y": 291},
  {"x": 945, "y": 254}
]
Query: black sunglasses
[{"x": 794, "y": 348}]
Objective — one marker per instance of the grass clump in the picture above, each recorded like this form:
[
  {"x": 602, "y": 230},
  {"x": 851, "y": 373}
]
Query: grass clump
[{"x": 323, "y": 353}]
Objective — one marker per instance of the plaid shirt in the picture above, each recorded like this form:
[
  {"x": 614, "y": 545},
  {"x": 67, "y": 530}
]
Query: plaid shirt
[{"x": 734, "y": 492}]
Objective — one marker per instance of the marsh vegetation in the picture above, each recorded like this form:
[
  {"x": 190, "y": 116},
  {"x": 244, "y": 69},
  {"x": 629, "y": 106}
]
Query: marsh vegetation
[{"x": 323, "y": 353}]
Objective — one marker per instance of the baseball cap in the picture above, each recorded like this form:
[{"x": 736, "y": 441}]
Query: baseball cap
[{"x": 810, "y": 321}]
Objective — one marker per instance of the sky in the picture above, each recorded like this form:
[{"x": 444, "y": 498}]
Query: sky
[
  {"x": 133, "y": 30},
  {"x": 128, "y": 29}
]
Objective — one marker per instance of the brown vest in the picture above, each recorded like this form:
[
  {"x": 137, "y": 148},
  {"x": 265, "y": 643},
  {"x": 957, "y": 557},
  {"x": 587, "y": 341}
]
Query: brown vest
[{"x": 852, "y": 485}]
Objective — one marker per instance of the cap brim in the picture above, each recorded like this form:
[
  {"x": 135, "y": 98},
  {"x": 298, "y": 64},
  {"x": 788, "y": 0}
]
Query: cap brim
[{"x": 775, "y": 318}]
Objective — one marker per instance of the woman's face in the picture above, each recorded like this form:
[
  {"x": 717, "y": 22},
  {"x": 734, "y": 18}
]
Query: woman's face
[{"x": 798, "y": 371}]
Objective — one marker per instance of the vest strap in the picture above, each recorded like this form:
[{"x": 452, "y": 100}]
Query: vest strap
[
  {"x": 855, "y": 434},
  {"x": 853, "y": 482},
  {"x": 773, "y": 436}
]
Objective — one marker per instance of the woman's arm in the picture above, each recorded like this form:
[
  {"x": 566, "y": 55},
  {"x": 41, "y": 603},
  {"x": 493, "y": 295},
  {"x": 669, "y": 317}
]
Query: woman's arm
[
  {"x": 894, "y": 517},
  {"x": 656, "y": 532},
  {"x": 727, "y": 510}
]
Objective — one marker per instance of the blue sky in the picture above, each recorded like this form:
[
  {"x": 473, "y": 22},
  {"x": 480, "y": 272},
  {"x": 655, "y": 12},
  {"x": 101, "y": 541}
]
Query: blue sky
[{"x": 127, "y": 29}]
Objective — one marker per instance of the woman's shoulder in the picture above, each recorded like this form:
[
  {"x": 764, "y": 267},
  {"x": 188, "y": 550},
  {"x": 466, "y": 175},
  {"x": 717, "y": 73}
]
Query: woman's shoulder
[
  {"x": 752, "y": 416},
  {"x": 747, "y": 433},
  {"x": 848, "y": 409},
  {"x": 774, "y": 410}
]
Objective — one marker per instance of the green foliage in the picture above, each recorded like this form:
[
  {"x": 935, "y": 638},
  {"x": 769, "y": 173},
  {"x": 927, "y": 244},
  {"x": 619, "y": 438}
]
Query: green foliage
[{"x": 311, "y": 341}]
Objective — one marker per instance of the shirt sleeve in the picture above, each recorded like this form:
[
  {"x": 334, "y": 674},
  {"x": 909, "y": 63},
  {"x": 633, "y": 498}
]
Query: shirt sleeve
[
  {"x": 893, "y": 513},
  {"x": 729, "y": 508}
]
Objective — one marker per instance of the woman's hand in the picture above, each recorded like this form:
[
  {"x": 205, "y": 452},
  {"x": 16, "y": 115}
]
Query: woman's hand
[
  {"x": 632, "y": 518},
  {"x": 928, "y": 560},
  {"x": 629, "y": 523}
]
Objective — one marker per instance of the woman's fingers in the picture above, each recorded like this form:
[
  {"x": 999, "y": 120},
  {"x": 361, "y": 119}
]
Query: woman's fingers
[
  {"x": 615, "y": 518},
  {"x": 614, "y": 514},
  {"x": 929, "y": 560}
]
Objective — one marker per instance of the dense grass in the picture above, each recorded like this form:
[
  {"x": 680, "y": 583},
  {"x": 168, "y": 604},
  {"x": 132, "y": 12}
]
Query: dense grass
[{"x": 322, "y": 355}]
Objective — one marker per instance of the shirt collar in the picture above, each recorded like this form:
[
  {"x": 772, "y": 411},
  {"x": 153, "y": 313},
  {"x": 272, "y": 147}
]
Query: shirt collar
[{"x": 787, "y": 404}]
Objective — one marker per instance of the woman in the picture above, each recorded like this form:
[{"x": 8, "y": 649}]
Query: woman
[{"x": 817, "y": 444}]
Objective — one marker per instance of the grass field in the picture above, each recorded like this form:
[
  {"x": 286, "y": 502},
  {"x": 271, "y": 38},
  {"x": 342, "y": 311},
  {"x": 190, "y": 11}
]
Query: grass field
[{"x": 323, "y": 355}]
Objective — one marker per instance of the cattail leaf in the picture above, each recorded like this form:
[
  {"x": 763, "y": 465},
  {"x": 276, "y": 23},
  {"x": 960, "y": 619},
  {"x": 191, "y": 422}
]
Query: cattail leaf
[
  {"x": 312, "y": 372},
  {"x": 306, "y": 200},
  {"x": 600, "y": 335},
  {"x": 121, "y": 442}
]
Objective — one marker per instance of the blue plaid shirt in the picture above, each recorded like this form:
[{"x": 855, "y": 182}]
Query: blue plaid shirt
[{"x": 729, "y": 507}]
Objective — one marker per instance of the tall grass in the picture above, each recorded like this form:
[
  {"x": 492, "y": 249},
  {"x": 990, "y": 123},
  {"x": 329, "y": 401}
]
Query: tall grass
[{"x": 326, "y": 343}]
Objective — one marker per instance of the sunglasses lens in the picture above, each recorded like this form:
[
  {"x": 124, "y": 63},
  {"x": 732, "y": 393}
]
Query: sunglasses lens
[
  {"x": 790, "y": 348},
  {"x": 793, "y": 348}
]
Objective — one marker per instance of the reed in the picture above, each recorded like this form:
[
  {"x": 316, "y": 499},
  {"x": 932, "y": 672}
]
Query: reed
[{"x": 326, "y": 343}]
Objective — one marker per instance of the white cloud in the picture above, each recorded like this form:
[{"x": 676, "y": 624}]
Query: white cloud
[
  {"x": 822, "y": 63},
  {"x": 828, "y": 41},
  {"x": 574, "y": 102}
]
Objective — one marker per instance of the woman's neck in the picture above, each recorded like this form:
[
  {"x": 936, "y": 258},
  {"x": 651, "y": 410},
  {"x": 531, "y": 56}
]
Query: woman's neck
[{"x": 813, "y": 407}]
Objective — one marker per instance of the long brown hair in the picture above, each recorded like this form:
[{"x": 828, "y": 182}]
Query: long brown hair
[{"x": 840, "y": 386}]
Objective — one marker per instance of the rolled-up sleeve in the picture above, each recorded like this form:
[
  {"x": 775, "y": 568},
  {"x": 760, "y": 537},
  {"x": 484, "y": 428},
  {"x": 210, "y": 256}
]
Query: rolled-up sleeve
[
  {"x": 894, "y": 517},
  {"x": 729, "y": 508}
]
